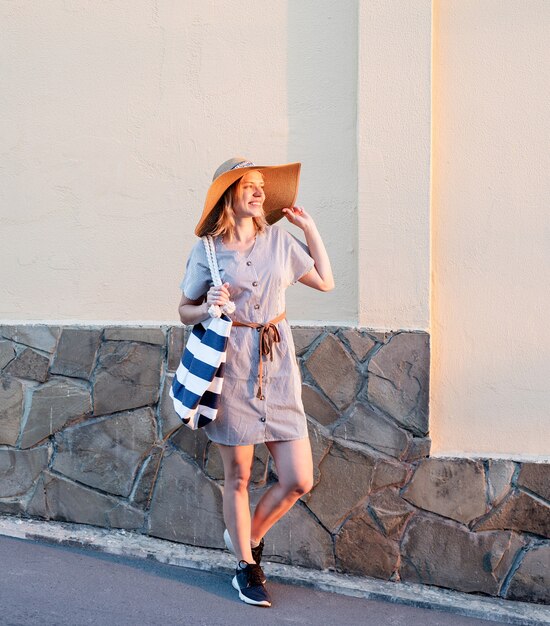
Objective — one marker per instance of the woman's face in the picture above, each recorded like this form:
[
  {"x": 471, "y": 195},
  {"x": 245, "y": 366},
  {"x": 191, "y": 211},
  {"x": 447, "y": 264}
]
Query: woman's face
[{"x": 248, "y": 200}]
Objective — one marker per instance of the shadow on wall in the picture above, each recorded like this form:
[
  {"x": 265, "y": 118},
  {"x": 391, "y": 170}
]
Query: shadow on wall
[{"x": 322, "y": 116}]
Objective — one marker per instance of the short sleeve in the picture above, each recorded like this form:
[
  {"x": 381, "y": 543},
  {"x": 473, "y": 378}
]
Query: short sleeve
[
  {"x": 197, "y": 279},
  {"x": 299, "y": 262}
]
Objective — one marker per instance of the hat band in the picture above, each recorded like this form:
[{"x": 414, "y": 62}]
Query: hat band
[{"x": 242, "y": 164}]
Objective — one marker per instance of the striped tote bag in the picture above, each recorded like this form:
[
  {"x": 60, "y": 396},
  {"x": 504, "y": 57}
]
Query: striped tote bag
[{"x": 197, "y": 384}]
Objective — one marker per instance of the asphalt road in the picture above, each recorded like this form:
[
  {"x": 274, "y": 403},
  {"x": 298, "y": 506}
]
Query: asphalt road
[{"x": 53, "y": 585}]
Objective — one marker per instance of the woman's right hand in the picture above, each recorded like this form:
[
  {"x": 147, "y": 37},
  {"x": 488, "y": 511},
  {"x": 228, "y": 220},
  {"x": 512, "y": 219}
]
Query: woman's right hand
[{"x": 218, "y": 295}]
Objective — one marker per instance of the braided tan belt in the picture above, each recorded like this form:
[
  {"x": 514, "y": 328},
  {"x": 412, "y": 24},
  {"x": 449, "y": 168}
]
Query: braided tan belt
[{"x": 269, "y": 334}]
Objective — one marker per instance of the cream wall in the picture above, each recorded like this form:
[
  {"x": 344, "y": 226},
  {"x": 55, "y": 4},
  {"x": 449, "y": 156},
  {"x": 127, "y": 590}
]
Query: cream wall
[
  {"x": 114, "y": 116},
  {"x": 394, "y": 164},
  {"x": 490, "y": 383}
]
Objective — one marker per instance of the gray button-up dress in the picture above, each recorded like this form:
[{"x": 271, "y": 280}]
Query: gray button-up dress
[{"x": 257, "y": 284}]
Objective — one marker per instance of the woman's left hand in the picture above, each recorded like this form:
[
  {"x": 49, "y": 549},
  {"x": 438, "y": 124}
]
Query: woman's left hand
[{"x": 298, "y": 216}]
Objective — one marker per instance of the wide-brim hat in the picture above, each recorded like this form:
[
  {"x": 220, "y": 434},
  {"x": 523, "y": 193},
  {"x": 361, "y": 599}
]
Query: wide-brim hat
[{"x": 280, "y": 186}]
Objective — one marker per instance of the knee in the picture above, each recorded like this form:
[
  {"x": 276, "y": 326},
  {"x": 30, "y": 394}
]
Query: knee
[
  {"x": 237, "y": 480},
  {"x": 300, "y": 486}
]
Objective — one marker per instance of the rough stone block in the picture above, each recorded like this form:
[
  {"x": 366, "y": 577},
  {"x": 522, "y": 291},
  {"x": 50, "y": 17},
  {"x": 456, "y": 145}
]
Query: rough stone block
[
  {"x": 389, "y": 473},
  {"x": 177, "y": 337},
  {"x": 531, "y": 581},
  {"x": 360, "y": 343},
  {"x": 154, "y": 336},
  {"x": 52, "y": 406},
  {"x": 521, "y": 512},
  {"x": 143, "y": 491},
  {"x": 29, "y": 364},
  {"x": 127, "y": 376},
  {"x": 419, "y": 448},
  {"x": 334, "y": 371},
  {"x": 19, "y": 470},
  {"x": 381, "y": 337},
  {"x": 11, "y": 409},
  {"x": 362, "y": 549},
  {"x": 390, "y": 511},
  {"x": 444, "y": 553},
  {"x": 317, "y": 406},
  {"x": 320, "y": 445},
  {"x": 186, "y": 505},
  {"x": 169, "y": 419},
  {"x": 57, "y": 498},
  {"x": 346, "y": 477},
  {"x": 213, "y": 465},
  {"x": 39, "y": 336},
  {"x": 76, "y": 352},
  {"x": 298, "y": 539},
  {"x": 7, "y": 353},
  {"x": 106, "y": 453},
  {"x": 303, "y": 338},
  {"x": 398, "y": 380},
  {"x": 454, "y": 488},
  {"x": 499, "y": 475},
  {"x": 13, "y": 506},
  {"x": 366, "y": 426},
  {"x": 259, "y": 465},
  {"x": 536, "y": 478},
  {"x": 193, "y": 443}
]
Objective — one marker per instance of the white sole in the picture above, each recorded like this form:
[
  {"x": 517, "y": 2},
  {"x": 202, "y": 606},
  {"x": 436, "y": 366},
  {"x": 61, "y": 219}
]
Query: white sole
[{"x": 244, "y": 598}]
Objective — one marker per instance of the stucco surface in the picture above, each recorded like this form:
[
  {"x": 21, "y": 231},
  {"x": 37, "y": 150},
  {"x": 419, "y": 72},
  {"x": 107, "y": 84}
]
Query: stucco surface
[
  {"x": 393, "y": 145},
  {"x": 114, "y": 117},
  {"x": 490, "y": 389}
]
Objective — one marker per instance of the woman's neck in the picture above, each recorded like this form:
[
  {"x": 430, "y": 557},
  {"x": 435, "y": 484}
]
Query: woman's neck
[{"x": 244, "y": 231}]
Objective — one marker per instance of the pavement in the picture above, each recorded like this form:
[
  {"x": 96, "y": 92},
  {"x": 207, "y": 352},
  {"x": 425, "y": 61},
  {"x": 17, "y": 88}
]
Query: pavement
[{"x": 70, "y": 575}]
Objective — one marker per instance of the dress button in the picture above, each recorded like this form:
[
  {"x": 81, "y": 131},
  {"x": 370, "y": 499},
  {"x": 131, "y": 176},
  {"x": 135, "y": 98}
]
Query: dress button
[
  {"x": 249, "y": 262},
  {"x": 257, "y": 306},
  {"x": 255, "y": 283},
  {"x": 262, "y": 419}
]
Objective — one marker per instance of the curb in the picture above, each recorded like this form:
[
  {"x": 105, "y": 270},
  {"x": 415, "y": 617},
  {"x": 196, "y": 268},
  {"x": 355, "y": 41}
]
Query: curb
[{"x": 134, "y": 545}]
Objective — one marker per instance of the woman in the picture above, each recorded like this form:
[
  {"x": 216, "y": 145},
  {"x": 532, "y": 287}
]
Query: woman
[{"x": 261, "y": 396}]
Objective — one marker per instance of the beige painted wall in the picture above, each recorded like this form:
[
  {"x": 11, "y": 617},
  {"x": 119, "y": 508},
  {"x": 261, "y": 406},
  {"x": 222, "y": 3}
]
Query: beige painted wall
[
  {"x": 394, "y": 164},
  {"x": 114, "y": 116},
  {"x": 490, "y": 383}
]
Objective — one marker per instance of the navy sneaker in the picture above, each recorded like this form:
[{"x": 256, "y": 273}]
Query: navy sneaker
[
  {"x": 248, "y": 582},
  {"x": 256, "y": 552}
]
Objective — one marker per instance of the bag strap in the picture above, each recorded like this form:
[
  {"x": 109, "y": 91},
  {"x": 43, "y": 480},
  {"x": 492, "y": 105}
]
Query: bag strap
[{"x": 212, "y": 260}]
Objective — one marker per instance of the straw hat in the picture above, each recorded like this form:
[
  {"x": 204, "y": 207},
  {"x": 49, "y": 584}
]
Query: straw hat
[{"x": 280, "y": 186}]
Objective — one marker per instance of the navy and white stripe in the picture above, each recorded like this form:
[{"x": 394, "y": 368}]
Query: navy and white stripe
[{"x": 198, "y": 381}]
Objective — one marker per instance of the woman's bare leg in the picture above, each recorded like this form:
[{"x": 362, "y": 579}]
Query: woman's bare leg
[
  {"x": 295, "y": 471},
  {"x": 237, "y": 465}
]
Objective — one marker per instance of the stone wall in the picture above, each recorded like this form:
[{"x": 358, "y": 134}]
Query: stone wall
[{"x": 83, "y": 412}]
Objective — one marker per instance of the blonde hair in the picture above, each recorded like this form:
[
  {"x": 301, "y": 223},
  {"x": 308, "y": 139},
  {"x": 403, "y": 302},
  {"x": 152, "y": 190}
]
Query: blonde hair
[{"x": 221, "y": 220}]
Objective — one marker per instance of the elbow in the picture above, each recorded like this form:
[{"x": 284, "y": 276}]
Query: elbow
[
  {"x": 327, "y": 286},
  {"x": 183, "y": 319}
]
